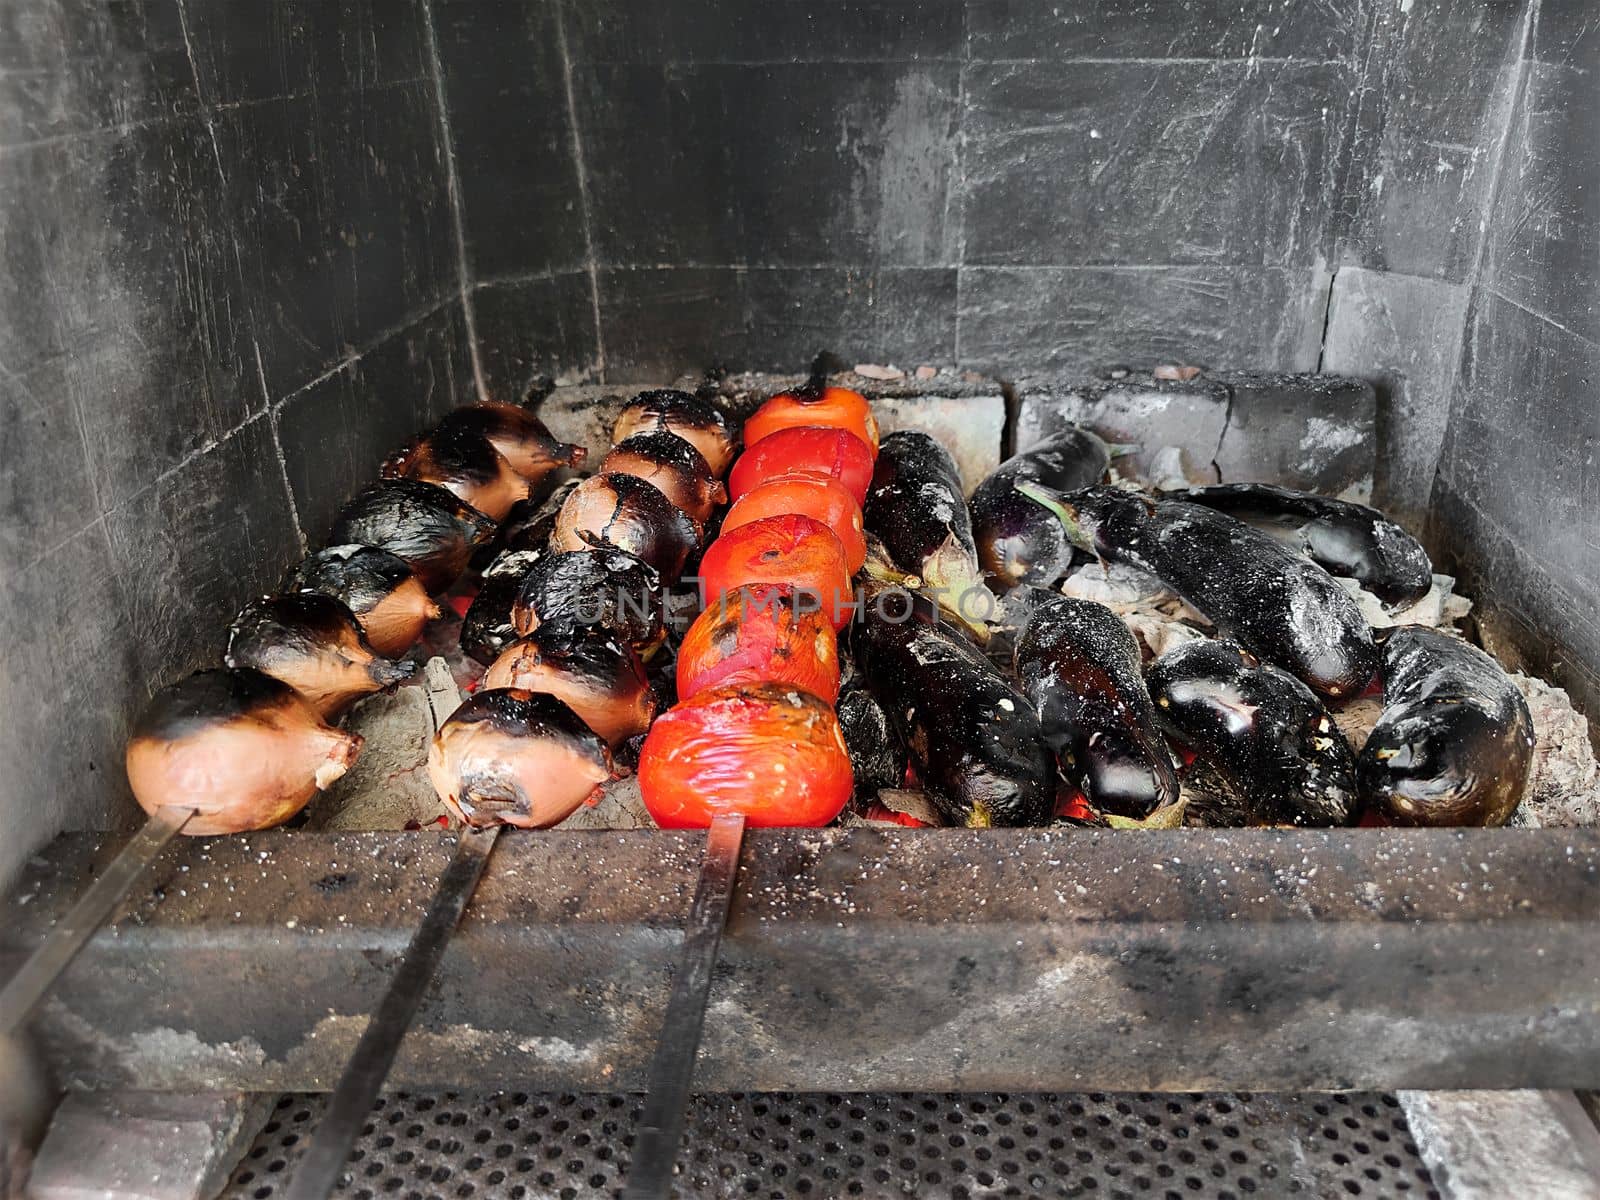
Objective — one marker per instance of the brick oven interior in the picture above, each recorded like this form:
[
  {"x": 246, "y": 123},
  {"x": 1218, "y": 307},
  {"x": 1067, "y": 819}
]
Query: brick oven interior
[{"x": 246, "y": 250}]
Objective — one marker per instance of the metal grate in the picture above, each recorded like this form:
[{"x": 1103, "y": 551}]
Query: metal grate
[{"x": 1175, "y": 1147}]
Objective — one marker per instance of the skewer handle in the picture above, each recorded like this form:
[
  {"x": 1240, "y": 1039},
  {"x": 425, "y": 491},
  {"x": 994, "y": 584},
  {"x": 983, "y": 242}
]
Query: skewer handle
[
  {"x": 655, "y": 1148},
  {"x": 32, "y": 983}
]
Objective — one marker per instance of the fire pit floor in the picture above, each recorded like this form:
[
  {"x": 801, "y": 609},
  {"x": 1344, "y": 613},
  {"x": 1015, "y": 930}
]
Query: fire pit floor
[{"x": 785, "y": 1145}]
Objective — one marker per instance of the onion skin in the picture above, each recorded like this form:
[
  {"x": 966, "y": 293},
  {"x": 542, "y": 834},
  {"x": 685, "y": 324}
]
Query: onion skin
[
  {"x": 1080, "y": 668},
  {"x": 814, "y": 403},
  {"x": 465, "y": 463},
  {"x": 525, "y": 441},
  {"x": 770, "y": 751},
  {"x": 1018, "y": 541},
  {"x": 822, "y": 451},
  {"x": 589, "y": 670},
  {"x": 508, "y": 757},
  {"x": 792, "y": 550},
  {"x": 696, "y": 421},
  {"x": 672, "y": 465},
  {"x": 241, "y": 748},
  {"x": 314, "y": 644},
  {"x": 823, "y": 500},
  {"x": 430, "y": 528},
  {"x": 487, "y": 627},
  {"x": 757, "y": 635},
  {"x": 632, "y": 515},
  {"x": 380, "y": 588},
  {"x": 602, "y": 587},
  {"x": 1266, "y": 736},
  {"x": 1454, "y": 745}
]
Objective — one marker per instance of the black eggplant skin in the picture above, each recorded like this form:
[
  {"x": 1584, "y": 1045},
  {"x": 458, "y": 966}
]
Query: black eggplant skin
[
  {"x": 1265, "y": 734},
  {"x": 1454, "y": 745},
  {"x": 422, "y": 523},
  {"x": 877, "y": 756},
  {"x": 1340, "y": 536},
  {"x": 1277, "y": 605},
  {"x": 1017, "y": 541},
  {"x": 974, "y": 739},
  {"x": 603, "y": 586},
  {"x": 1080, "y": 668},
  {"x": 360, "y": 576}
]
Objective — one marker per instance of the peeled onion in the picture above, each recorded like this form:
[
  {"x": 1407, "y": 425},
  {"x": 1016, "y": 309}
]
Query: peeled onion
[
  {"x": 380, "y": 588},
  {"x": 630, "y": 514},
  {"x": 509, "y": 757},
  {"x": 589, "y": 669},
  {"x": 314, "y": 644},
  {"x": 242, "y": 749},
  {"x": 696, "y": 421},
  {"x": 465, "y": 463},
  {"x": 674, "y": 466}
]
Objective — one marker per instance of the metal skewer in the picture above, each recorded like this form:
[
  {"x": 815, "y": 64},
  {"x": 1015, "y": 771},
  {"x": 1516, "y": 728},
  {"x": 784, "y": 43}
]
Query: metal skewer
[
  {"x": 44, "y": 966},
  {"x": 655, "y": 1148},
  {"x": 357, "y": 1089}
]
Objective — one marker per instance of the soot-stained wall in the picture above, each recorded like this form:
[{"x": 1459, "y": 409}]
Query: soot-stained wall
[{"x": 228, "y": 283}]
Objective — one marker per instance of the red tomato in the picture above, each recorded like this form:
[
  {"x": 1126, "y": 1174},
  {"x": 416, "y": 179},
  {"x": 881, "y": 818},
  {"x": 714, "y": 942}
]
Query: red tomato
[
  {"x": 771, "y": 752},
  {"x": 822, "y": 499},
  {"x": 791, "y": 550},
  {"x": 819, "y": 450},
  {"x": 837, "y": 407},
  {"x": 759, "y": 635}
]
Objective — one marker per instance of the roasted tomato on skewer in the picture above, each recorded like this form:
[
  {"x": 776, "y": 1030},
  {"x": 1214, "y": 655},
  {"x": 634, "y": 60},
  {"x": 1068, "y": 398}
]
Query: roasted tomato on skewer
[
  {"x": 814, "y": 404},
  {"x": 823, "y": 500},
  {"x": 760, "y": 635},
  {"x": 792, "y": 550},
  {"x": 822, "y": 451}
]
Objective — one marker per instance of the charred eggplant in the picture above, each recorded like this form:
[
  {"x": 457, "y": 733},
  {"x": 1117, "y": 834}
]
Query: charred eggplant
[
  {"x": 1343, "y": 538},
  {"x": 1280, "y": 607},
  {"x": 916, "y": 507},
  {"x": 508, "y": 757},
  {"x": 587, "y": 668},
  {"x": 314, "y": 644},
  {"x": 380, "y": 588},
  {"x": 974, "y": 740},
  {"x": 463, "y": 462},
  {"x": 630, "y": 514},
  {"x": 672, "y": 465},
  {"x": 430, "y": 528},
  {"x": 696, "y": 421},
  {"x": 244, "y": 750},
  {"x": 1080, "y": 669},
  {"x": 517, "y": 433},
  {"x": 877, "y": 756},
  {"x": 604, "y": 587},
  {"x": 1017, "y": 541},
  {"x": 1274, "y": 754},
  {"x": 1454, "y": 745}
]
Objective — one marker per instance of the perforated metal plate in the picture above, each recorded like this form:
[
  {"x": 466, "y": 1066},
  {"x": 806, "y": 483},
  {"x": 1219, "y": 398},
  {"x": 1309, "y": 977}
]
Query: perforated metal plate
[{"x": 529, "y": 1147}]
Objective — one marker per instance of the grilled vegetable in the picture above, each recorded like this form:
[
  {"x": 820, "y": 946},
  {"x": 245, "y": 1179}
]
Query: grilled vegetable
[
  {"x": 877, "y": 756},
  {"x": 430, "y": 528},
  {"x": 770, "y": 751},
  {"x": 1080, "y": 668},
  {"x": 791, "y": 550},
  {"x": 244, "y": 750},
  {"x": 1276, "y": 604},
  {"x": 383, "y": 592},
  {"x": 523, "y": 539},
  {"x": 673, "y": 465},
  {"x": 760, "y": 635},
  {"x": 509, "y": 757},
  {"x": 604, "y": 587},
  {"x": 823, "y": 500},
  {"x": 587, "y": 668},
  {"x": 696, "y": 421},
  {"x": 1017, "y": 541},
  {"x": 814, "y": 403},
  {"x": 1274, "y": 751},
  {"x": 915, "y": 506},
  {"x": 464, "y": 462},
  {"x": 528, "y": 445},
  {"x": 821, "y": 451},
  {"x": 974, "y": 740},
  {"x": 630, "y": 514},
  {"x": 1454, "y": 745},
  {"x": 1343, "y": 538},
  {"x": 314, "y": 644},
  {"x": 529, "y": 524}
]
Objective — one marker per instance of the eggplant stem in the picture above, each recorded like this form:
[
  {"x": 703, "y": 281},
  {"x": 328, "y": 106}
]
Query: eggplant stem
[{"x": 1063, "y": 512}]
